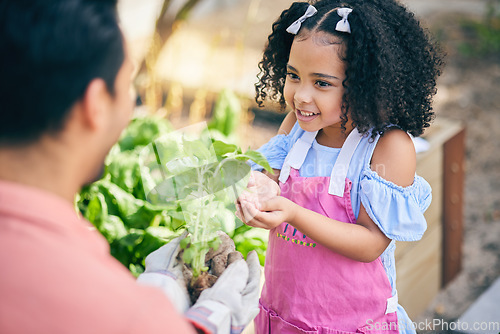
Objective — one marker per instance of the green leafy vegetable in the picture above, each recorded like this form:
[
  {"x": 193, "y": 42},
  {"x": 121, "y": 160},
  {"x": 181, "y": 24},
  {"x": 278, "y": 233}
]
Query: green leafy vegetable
[
  {"x": 158, "y": 183},
  {"x": 226, "y": 114},
  {"x": 204, "y": 179}
]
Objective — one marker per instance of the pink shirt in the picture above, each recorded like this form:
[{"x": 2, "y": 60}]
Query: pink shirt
[{"x": 57, "y": 276}]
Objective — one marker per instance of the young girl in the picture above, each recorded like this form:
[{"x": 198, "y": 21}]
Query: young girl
[{"x": 358, "y": 76}]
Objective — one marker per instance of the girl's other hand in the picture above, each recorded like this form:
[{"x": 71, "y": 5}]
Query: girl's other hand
[
  {"x": 261, "y": 188},
  {"x": 262, "y": 185},
  {"x": 268, "y": 214}
]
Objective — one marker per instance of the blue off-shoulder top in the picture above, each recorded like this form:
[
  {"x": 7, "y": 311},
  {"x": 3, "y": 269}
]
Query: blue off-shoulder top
[{"x": 397, "y": 211}]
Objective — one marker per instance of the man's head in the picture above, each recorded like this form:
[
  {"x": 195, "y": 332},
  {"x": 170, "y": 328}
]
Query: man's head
[
  {"x": 65, "y": 79},
  {"x": 51, "y": 51}
]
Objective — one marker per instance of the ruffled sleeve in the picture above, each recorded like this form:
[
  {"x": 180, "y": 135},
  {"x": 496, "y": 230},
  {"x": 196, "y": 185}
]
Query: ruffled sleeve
[
  {"x": 397, "y": 211},
  {"x": 275, "y": 151},
  {"x": 277, "y": 148}
]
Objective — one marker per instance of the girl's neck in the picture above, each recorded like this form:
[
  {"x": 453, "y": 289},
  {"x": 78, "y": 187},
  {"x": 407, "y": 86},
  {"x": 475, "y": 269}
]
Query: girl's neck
[{"x": 334, "y": 136}]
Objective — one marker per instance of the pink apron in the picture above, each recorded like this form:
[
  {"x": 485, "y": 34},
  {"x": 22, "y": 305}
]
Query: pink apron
[{"x": 309, "y": 288}]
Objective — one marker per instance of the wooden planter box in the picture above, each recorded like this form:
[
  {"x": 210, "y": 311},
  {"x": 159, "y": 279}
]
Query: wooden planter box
[{"x": 425, "y": 266}]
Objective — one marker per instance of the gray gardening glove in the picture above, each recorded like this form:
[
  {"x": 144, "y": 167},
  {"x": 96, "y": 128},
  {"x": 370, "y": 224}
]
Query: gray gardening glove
[
  {"x": 165, "y": 272},
  {"x": 229, "y": 305}
]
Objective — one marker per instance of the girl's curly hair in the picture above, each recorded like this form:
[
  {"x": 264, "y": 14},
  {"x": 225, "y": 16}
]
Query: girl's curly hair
[{"x": 391, "y": 63}]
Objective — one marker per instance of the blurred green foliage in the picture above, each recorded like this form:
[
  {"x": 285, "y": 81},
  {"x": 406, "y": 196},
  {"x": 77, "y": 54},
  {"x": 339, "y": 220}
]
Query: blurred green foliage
[
  {"x": 158, "y": 183},
  {"x": 483, "y": 37}
]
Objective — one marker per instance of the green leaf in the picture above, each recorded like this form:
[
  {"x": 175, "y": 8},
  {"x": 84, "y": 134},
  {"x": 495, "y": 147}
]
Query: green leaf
[
  {"x": 112, "y": 228},
  {"x": 226, "y": 114},
  {"x": 174, "y": 188},
  {"x": 177, "y": 220},
  {"x": 120, "y": 203},
  {"x": 136, "y": 269},
  {"x": 163, "y": 233},
  {"x": 123, "y": 249},
  {"x": 185, "y": 242},
  {"x": 222, "y": 148},
  {"x": 228, "y": 224},
  {"x": 215, "y": 243},
  {"x": 125, "y": 170},
  {"x": 132, "y": 239},
  {"x": 142, "y": 218},
  {"x": 142, "y": 131},
  {"x": 154, "y": 238},
  {"x": 196, "y": 148},
  {"x": 189, "y": 254},
  {"x": 258, "y": 158},
  {"x": 97, "y": 210},
  {"x": 167, "y": 148},
  {"x": 248, "y": 238},
  {"x": 236, "y": 174}
]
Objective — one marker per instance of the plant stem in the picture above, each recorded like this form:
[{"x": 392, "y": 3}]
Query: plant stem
[
  {"x": 199, "y": 259},
  {"x": 158, "y": 161}
]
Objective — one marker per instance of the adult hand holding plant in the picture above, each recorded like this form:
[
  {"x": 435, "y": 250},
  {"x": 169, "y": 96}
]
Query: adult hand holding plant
[
  {"x": 232, "y": 302},
  {"x": 165, "y": 272},
  {"x": 201, "y": 178},
  {"x": 161, "y": 185}
]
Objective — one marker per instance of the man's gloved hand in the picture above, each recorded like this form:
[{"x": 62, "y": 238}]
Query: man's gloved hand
[
  {"x": 165, "y": 272},
  {"x": 229, "y": 305}
]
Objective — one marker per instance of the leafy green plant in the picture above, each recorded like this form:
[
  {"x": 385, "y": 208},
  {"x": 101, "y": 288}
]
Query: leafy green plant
[
  {"x": 484, "y": 36},
  {"x": 226, "y": 115},
  {"x": 158, "y": 183},
  {"x": 117, "y": 206},
  {"x": 203, "y": 178}
]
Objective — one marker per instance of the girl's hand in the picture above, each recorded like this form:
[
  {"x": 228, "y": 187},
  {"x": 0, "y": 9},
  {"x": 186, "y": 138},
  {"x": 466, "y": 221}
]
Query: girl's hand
[
  {"x": 268, "y": 214},
  {"x": 260, "y": 189},
  {"x": 262, "y": 185}
]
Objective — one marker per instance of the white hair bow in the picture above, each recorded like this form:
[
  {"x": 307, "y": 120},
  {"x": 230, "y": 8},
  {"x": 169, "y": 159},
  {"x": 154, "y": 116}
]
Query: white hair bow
[
  {"x": 343, "y": 24},
  {"x": 295, "y": 26}
]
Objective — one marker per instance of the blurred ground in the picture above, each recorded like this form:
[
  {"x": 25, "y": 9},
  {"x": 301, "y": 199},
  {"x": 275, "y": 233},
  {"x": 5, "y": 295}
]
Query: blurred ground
[{"x": 223, "y": 44}]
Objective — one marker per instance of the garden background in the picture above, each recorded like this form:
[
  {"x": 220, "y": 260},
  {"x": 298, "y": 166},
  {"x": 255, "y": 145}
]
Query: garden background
[{"x": 213, "y": 46}]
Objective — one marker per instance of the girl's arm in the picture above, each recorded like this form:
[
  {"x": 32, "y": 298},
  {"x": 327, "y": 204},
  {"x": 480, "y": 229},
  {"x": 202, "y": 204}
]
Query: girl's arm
[
  {"x": 285, "y": 128},
  {"x": 287, "y": 124},
  {"x": 394, "y": 159}
]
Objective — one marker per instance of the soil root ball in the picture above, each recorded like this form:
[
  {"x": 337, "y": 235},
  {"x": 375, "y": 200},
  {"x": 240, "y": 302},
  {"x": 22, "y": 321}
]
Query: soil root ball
[{"x": 217, "y": 261}]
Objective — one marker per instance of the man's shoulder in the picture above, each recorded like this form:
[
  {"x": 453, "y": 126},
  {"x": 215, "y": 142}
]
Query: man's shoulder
[{"x": 58, "y": 283}]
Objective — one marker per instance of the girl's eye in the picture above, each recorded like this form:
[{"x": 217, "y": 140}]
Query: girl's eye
[
  {"x": 292, "y": 76},
  {"x": 323, "y": 84}
]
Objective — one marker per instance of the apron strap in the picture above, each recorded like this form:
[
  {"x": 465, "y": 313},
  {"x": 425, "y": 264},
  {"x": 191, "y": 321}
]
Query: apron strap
[
  {"x": 297, "y": 154},
  {"x": 392, "y": 304},
  {"x": 339, "y": 172}
]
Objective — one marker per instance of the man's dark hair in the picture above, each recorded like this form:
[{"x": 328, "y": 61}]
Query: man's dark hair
[
  {"x": 391, "y": 62},
  {"x": 49, "y": 52}
]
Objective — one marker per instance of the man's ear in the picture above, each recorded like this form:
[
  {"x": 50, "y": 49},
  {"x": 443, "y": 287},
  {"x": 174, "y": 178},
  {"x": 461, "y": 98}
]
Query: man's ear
[{"x": 95, "y": 104}]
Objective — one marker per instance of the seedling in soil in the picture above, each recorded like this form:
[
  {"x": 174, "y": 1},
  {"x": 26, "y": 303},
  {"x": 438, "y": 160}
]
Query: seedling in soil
[{"x": 203, "y": 178}]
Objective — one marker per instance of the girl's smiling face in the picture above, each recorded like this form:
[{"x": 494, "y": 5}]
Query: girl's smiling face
[{"x": 313, "y": 86}]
